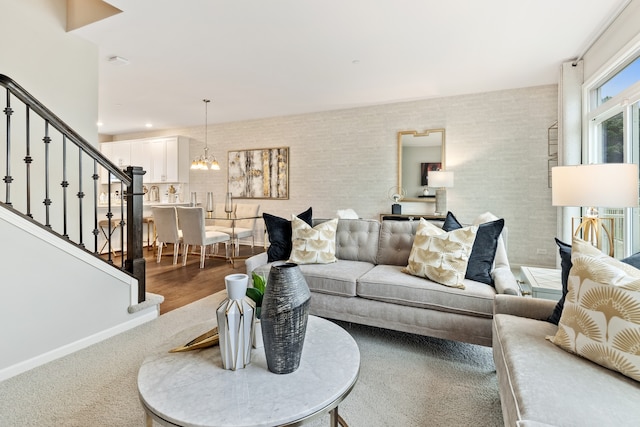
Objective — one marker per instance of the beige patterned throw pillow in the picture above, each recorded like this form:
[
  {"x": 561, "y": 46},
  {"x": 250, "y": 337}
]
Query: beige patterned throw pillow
[
  {"x": 439, "y": 255},
  {"x": 601, "y": 316},
  {"x": 315, "y": 245}
]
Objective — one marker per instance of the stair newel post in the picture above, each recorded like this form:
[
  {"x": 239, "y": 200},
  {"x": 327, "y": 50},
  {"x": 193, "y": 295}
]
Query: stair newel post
[{"x": 135, "y": 263}]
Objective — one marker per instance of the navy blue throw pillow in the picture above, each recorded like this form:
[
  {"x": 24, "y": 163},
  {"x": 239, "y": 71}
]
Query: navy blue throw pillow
[
  {"x": 633, "y": 260},
  {"x": 565, "y": 264},
  {"x": 484, "y": 248},
  {"x": 279, "y": 230}
]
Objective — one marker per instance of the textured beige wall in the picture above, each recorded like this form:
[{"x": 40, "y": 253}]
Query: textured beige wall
[{"x": 496, "y": 145}]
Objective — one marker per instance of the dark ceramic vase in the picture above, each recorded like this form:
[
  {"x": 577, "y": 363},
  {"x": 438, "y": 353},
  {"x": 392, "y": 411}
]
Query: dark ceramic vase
[{"x": 285, "y": 310}]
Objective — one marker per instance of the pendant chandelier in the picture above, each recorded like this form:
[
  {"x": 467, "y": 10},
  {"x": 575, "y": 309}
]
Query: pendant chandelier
[{"x": 206, "y": 161}]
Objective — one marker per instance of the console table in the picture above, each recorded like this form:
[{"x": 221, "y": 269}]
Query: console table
[
  {"x": 192, "y": 389},
  {"x": 410, "y": 217}
]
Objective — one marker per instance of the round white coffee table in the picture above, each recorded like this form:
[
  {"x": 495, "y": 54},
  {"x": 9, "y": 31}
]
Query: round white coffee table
[{"x": 192, "y": 389}]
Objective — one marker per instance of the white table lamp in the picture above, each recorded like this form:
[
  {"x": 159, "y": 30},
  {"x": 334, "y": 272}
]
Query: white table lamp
[
  {"x": 611, "y": 185},
  {"x": 440, "y": 180}
]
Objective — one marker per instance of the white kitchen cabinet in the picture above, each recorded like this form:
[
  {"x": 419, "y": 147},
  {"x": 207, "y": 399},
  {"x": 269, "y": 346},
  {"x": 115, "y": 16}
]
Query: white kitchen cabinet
[
  {"x": 155, "y": 153},
  {"x": 165, "y": 159},
  {"x": 119, "y": 153},
  {"x": 139, "y": 158}
]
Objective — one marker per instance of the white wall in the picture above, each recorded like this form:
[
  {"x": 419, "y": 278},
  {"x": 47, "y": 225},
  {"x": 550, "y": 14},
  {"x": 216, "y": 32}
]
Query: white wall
[
  {"x": 53, "y": 302},
  {"x": 58, "y": 68},
  {"x": 56, "y": 298},
  {"x": 496, "y": 145},
  {"x": 61, "y": 71}
]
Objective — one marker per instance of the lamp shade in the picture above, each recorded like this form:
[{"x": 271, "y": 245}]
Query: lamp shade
[
  {"x": 611, "y": 185},
  {"x": 440, "y": 178}
]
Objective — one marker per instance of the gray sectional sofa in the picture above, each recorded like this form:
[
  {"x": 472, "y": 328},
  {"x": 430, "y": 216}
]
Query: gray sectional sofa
[
  {"x": 541, "y": 384},
  {"x": 366, "y": 285}
]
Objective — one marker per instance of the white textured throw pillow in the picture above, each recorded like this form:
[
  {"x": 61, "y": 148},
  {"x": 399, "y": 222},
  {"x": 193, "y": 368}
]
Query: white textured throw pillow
[
  {"x": 601, "y": 316},
  {"x": 315, "y": 245},
  {"x": 439, "y": 255},
  {"x": 347, "y": 214}
]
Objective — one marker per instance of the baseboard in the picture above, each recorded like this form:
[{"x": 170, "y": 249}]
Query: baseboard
[{"x": 145, "y": 316}]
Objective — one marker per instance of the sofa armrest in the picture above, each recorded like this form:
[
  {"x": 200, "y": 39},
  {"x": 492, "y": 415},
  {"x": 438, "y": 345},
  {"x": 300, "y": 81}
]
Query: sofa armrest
[
  {"x": 533, "y": 308},
  {"x": 505, "y": 282},
  {"x": 255, "y": 261}
]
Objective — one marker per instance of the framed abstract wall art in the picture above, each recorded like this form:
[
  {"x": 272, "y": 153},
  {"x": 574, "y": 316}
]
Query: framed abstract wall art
[{"x": 259, "y": 174}]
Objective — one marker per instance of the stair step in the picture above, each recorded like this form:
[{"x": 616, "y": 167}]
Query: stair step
[{"x": 151, "y": 300}]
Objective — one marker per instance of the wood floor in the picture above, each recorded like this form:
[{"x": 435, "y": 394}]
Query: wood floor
[{"x": 182, "y": 285}]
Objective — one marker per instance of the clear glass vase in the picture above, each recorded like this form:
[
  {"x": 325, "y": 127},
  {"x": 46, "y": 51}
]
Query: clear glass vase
[
  {"x": 209, "y": 204},
  {"x": 228, "y": 205}
]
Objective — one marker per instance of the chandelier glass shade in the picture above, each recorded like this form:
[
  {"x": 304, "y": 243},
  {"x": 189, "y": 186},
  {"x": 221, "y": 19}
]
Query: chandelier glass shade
[{"x": 206, "y": 161}]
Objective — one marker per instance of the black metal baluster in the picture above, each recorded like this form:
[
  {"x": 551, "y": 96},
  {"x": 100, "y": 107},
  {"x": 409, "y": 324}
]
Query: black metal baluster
[
  {"x": 7, "y": 178},
  {"x": 109, "y": 216},
  {"x": 65, "y": 185},
  {"x": 122, "y": 223},
  {"x": 47, "y": 200},
  {"x": 80, "y": 199},
  {"x": 27, "y": 160},
  {"x": 95, "y": 205}
]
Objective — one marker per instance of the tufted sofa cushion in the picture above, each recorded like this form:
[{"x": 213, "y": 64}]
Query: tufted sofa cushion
[
  {"x": 396, "y": 241},
  {"x": 356, "y": 239}
]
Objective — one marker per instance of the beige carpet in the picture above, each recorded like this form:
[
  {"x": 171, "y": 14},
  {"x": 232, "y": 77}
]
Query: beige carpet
[{"x": 405, "y": 380}]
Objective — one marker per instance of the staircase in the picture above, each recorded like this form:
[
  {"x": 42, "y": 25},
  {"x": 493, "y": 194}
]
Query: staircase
[{"x": 60, "y": 293}]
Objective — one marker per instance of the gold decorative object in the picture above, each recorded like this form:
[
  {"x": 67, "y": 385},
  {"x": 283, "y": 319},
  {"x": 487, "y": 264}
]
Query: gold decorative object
[
  {"x": 208, "y": 339},
  {"x": 592, "y": 229}
]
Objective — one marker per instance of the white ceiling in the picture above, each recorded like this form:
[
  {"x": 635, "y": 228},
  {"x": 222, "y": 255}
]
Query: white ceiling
[{"x": 259, "y": 58}]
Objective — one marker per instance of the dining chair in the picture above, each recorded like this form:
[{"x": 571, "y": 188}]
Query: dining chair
[
  {"x": 245, "y": 228},
  {"x": 166, "y": 224},
  {"x": 242, "y": 228},
  {"x": 194, "y": 232},
  {"x": 220, "y": 215},
  {"x": 220, "y": 223}
]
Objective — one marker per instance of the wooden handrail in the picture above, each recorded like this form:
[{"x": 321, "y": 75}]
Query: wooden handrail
[
  {"x": 131, "y": 180},
  {"x": 36, "y": 106}
]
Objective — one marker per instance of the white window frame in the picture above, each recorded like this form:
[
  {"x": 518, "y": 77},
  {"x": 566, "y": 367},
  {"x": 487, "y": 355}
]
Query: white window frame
[{"x": 594, "y": 115}]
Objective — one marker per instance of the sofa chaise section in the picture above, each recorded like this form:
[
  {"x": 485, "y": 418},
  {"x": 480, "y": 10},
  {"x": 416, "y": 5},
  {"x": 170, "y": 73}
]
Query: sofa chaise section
[{"x": 542, "y": 384}]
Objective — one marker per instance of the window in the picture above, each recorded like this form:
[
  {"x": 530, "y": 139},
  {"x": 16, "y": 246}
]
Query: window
[
  {"x": 614, "y": 137},
  {"x": 619, "y": 82}
]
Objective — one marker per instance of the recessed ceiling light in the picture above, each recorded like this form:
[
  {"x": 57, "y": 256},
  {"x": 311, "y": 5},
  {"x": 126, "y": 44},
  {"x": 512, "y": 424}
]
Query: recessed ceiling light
[
  {"x": 99, "y": 124},
  {"x": 149, "y": 125}
]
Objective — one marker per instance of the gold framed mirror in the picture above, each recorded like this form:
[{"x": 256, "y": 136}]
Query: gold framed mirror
[{"x": 419, "y": 152}]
